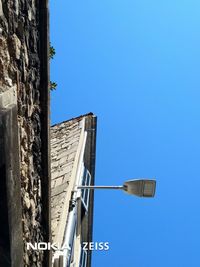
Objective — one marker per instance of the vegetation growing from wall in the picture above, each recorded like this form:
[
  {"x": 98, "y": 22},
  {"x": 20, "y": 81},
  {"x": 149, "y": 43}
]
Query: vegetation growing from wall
[{"x": 52, "y": 52}]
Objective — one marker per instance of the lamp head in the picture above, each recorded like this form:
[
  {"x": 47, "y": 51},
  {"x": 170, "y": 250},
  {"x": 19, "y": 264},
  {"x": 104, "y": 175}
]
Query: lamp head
[{"x": 140, "y": 187}]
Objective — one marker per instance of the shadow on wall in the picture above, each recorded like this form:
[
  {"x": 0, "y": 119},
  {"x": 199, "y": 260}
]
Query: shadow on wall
[{"x": 4, "y": 229}]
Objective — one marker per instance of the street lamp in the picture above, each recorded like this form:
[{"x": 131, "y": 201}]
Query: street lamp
[{"x": 138, "y": 187}]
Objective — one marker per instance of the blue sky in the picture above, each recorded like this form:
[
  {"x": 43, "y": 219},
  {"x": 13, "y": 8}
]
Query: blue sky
[{"x": 136, "y": 65}]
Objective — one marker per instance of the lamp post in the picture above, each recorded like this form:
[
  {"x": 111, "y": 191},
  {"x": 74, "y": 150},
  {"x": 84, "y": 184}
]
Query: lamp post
[{"x": 138, "y": 187}]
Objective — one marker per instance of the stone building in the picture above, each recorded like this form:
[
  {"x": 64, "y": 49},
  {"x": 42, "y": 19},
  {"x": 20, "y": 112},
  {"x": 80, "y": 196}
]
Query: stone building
[
  {"x": 24, "y": 132},
  {"x": 73, "y": 145}
]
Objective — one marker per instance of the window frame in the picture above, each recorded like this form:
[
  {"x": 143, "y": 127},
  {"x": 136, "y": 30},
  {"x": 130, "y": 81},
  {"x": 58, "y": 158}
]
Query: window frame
[
  {"x": 83, "y": 258},
  {"x": 85, "y": 193}
]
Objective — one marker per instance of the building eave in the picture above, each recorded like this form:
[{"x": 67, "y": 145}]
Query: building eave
[{"x": 91, "y": 128}]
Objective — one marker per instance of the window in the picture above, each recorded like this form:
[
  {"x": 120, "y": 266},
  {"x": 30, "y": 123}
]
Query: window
[
  {"x": 83, "y": 258},
  {"x": 85, "y": 193}
]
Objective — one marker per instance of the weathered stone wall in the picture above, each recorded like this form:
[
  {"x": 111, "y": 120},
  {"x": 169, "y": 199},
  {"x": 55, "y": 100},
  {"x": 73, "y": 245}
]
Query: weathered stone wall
[
  {"x": 20, "y": 71},
  {"x": 64, "y": 143}
]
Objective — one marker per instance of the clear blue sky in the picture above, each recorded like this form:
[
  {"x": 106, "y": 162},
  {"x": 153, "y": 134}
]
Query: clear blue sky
[{"x": 136, "y": 65}]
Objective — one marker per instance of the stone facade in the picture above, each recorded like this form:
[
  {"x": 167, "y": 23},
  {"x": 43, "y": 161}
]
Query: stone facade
[
  {"x": 64, "y": 144},
  {"x": 21, "y": 70}
]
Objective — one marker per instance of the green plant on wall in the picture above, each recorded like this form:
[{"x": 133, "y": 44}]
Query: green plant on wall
[
  {"x": 52, "y": 52},
  {"x": 52, "y": 85}
]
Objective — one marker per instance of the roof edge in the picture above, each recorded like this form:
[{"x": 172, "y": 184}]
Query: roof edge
[{"x": 75, "y": 118}]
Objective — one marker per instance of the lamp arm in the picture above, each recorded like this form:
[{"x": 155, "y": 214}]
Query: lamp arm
[{"x": 92, "y": 187}]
